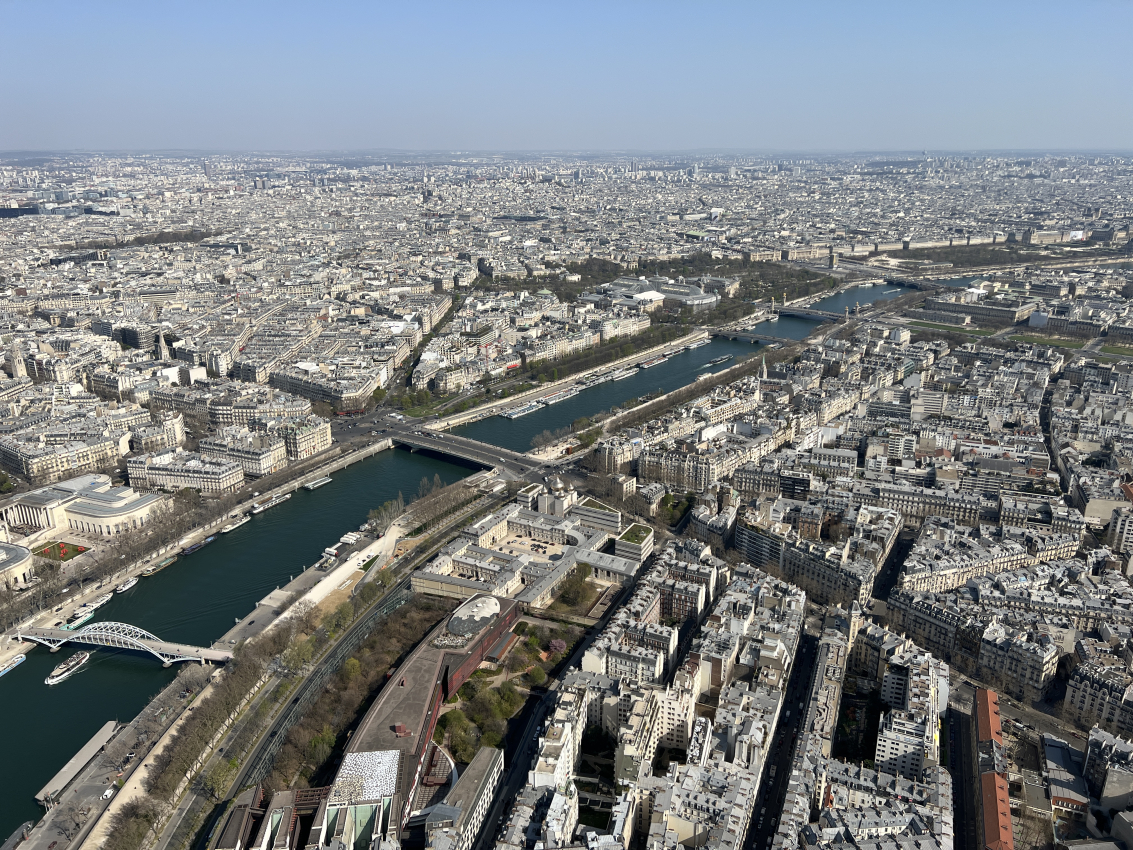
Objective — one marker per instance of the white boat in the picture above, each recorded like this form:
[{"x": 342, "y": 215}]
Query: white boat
[
  {"x": 126, "y": 585},
  {"x": 622, "y": 374},
  {"x": 773, "y": 318},
  {"x": 260, "y": 507},
  {"x": 95, "y": 604},
  {"x": 232, "y": 526},
  {"x": 68, "y": 668},
  {"x": 317, "y": 483},
  {"x": 865, "y": 285},
  {"x": 80, "y": 616},
  {"x": 561, "y": 395},
  {"x": 656, "y": 361},
  {"x": 699, "y": 343},
  {"x": 12, "y": 664},
  {"x": 522, "y": 410}
]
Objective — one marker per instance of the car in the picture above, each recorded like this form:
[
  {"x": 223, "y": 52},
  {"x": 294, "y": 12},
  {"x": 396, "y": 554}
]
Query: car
[{"x": 108, "y": 793}]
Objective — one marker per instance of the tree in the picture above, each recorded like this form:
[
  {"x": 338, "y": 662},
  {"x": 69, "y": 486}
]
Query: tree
[
  {"x": 369, "y": 592},
  {"x": 215, "y": 783},
  {"x": 351, "y": 669},
  {"x": 537, "y": 676},
  {"x": 321, "y": 746}
]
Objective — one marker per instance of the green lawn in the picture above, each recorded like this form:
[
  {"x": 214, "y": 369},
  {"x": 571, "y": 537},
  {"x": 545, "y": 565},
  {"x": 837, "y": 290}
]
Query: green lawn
[
  {"x": 1118, "y": 349},
  {"x": 60, "y": 551},
  {"x": 1047, "y": 340},
  {"x": 960, "y": 329}
]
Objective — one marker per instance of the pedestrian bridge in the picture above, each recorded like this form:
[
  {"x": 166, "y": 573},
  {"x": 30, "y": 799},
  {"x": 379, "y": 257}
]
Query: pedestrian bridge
[{"x": 125, "y": 636}]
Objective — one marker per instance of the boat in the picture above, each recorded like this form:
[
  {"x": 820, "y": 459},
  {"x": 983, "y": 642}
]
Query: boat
[
  {"x": 886, "y": 292},
  {"x": 196, "y": 547},
  {"x": 232, "y": 526},
  {"x": 622, "y": 374},
  {"x": 698, "y": 344},
  {"x": 317, "y": 483},
  {"x": 656, "y": 361},
  {"x": 773, "y": 318},
  {"x": 80, "y": 616},
  {"x": 561, "y": 395},
  {"x": 865, "y": 285},
  {"x": 68, "y": 668},
  {"x": 95, "y": 604},
  {"x": 522, "y": 410},
  {"x": 260, "y": 507},
  {"x": 126, "y": 585},
  {"x": 12, "y": 664},
  {"x": 703, "y": 376},
  {"x": 716, "y": 360},
  {"x": 159, "y": 566}
]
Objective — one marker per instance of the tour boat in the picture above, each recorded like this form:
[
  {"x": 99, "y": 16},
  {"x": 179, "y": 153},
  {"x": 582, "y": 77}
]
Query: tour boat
[
  {"x": 80, "y": 616},
  {"x": 260, "y": 507},
  {"x": 232, "y": 526},
  {"x": 522, "y": 410},
  {"x": 12, "y": 664},
  {"x": 126, "y": 585},
  {"x": 561, "y": 395},
  {"x": 317, "y": 483},
  {"x": 68, "y": 668}
]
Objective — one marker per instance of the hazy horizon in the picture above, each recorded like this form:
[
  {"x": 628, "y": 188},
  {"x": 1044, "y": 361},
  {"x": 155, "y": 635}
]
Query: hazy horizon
[{"x": 593, "y": 78}]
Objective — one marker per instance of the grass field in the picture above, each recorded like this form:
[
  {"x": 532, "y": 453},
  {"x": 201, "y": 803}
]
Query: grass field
[
  {"x": 56, "y": 551},
  {"x": 1048, "y": 340},
  {"x": 970, "y": 331},
  {"x": 1119, "y": 350}
]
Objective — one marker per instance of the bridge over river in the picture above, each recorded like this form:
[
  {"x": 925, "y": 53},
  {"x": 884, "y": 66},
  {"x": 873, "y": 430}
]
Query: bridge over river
[
  {"x": 422, "y": 437},
  {"x": 125, "y": 636}
]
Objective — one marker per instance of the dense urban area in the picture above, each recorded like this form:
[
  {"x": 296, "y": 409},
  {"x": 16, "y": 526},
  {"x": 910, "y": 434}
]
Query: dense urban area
[{"x": 844, "y": 567}]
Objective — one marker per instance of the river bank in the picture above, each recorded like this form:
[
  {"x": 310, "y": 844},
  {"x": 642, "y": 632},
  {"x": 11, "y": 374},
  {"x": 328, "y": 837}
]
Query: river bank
[{"x": 194, "y": 601}]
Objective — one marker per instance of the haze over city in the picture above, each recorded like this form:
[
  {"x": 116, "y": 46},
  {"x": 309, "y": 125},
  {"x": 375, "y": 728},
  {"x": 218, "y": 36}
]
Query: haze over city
[{"x": 823, "y": 76}]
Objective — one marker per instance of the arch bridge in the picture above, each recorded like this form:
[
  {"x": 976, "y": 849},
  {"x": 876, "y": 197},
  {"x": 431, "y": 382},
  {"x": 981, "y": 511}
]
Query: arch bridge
[{"x": 124, "y": 636}]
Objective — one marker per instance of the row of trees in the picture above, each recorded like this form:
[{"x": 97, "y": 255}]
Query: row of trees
[{"x": 309, "y": 750}]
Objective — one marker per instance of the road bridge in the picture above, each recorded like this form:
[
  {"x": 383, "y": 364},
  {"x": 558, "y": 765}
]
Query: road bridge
[
  {"x": 753, "y": 336},
  {"x": 124, "y": 636},
  {"x": 810, "y": 313},
  {"x": 462, "y": 447}
]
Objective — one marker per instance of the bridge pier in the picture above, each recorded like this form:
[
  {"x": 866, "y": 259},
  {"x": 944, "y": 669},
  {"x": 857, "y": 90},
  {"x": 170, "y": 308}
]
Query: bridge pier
[{"x": 167, "y": 664}]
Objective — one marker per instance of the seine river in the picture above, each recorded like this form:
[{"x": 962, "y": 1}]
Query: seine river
[{"x": 196, "y": 600}]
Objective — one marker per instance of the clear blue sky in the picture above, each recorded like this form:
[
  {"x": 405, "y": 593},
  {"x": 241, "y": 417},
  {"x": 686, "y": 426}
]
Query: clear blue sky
[{"x": 113, "y": 74}]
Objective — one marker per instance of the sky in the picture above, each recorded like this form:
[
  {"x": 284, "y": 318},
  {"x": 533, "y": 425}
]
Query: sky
[{"x": 531, "y": 76}]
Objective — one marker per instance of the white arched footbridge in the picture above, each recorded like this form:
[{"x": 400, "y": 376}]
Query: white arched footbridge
[{"x": 125, "y": 636}]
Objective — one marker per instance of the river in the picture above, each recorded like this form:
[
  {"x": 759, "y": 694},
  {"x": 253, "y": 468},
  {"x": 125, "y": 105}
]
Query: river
[
  {"x": 196, "y": 600},
  {"x": 677, "y": 371},
  {"x": 855, "y": 295}
]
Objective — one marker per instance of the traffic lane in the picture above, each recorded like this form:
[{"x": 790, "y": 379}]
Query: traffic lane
[{"x": 773, "y": 790}]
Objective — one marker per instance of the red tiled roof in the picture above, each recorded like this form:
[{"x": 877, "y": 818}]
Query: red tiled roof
[
  {"x": 996, "y": 812},
  {"x": 988, "y": 726}
]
